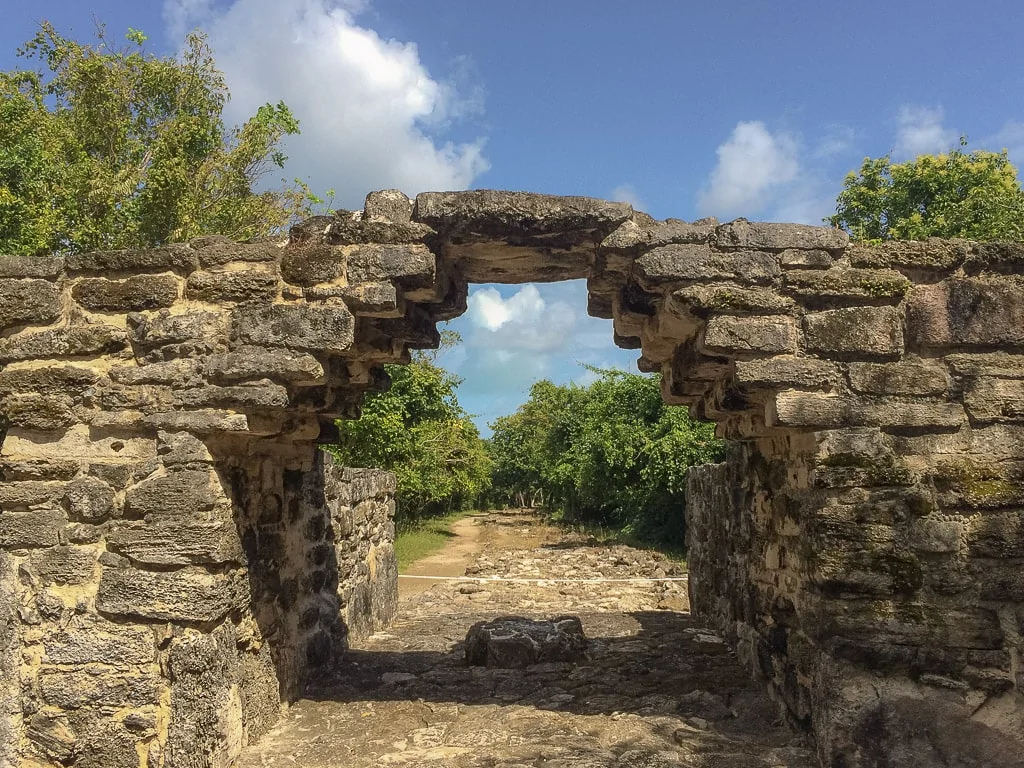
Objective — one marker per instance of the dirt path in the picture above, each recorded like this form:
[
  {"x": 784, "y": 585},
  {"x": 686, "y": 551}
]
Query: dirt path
[
  {"x": 656, "y": 691},
  {"x": 452, "y": 560}
]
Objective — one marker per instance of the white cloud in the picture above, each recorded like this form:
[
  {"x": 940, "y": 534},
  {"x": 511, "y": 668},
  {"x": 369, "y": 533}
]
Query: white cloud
[
  {"x": 752, "y": 164},
  {"x": 920, "y": 131},
  {"x": 487, "y": 308},
  {"x": 838, "y": 140},
  {"x": 626, "y": 193},
  {"x": 370, "y": 113},
  {"x": 1010, "y": 138}
]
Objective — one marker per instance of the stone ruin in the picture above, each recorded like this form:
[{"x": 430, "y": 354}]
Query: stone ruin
[{"x": 178, "y": 557}]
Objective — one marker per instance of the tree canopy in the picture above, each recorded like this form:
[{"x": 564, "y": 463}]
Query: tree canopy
[
  {"x": 974, "y": 195},
  {"x": 611, "y": 453},
  {"x": 418, "y": 430},
  {"x": 105, "y": 147}
]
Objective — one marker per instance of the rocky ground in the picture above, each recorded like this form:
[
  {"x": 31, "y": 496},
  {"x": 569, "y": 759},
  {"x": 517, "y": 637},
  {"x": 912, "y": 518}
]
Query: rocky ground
[{"x": 657, "y": 690}]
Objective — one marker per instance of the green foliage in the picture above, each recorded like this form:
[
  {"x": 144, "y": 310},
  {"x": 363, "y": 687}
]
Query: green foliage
[
  {"x": 104, "y": 147},
  {"x": 610, "y": 453},
  {"x": 418, "y": 430},
  {"x": 973, "y": 195}
]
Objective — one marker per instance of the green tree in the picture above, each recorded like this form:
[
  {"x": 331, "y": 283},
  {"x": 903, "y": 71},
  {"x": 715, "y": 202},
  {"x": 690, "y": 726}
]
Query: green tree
[
  {"x": 112, "y": 147},
  {"x": 418, "y": 430},
  {"x": 974, "y": 195},
  {"x": 610, "y": 453}
]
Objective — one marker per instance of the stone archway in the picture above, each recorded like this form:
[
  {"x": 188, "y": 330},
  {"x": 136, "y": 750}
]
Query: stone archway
[{"x": 176, "y": 555}]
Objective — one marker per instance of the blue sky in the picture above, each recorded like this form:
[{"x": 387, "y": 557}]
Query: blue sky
[{"x": 684, "y": 109}]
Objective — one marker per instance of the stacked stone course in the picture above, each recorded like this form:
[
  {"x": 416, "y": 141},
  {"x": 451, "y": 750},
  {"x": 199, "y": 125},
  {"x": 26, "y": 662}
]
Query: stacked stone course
[{"x": 177, "y": 557}]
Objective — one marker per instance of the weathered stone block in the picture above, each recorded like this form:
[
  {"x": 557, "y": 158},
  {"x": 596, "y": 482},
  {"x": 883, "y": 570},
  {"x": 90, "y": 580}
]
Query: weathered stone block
[
  {"x": 129, "y": 295},
  {"x": 23, "y": 529},
  {"x": 760, "y": 335},
  {"x": 235, "y": 285},
  {"x": 982, "y": 311},
  {"x": 89, "y": 499},
  {"x": 37, "y": 469},
  {"x": 996, "y": 535},
  {"x": 389, "y": 205},
  {"x": 63, "y": 342},
  {"x": 205, "y": 421},
  {"x": 908, "y": 377},
  {"x": 187, "y": 594},
  {"x": 779, "y": 237},
  {"x": 28, "y": 302},
  {"x": 63, "y": 565},
  {"x": 162, "y": 259},
  {"x": 55, "y": 379},
  {"x": 297, "y": 326},
  {"x": 814, "y": 259},
  {"x": 312, "y": 264},
  {"x": 49, "y": 267},
  {"x": 189, "y": 494},
  {"x": 812, "y": 409},
  {"x": 214, "y": 250},
  {"x": 787, "y": 371},
  {"x": 936, "y": 535},
  {"x": 73, "y": 689},
  {"x": 369, "y": 299},
  {"x": 855, "y": 332},
  {"x": 913, "y": 624},
  {"x": 930, "y": 254},
  {"x": 632, "y": 234},
  {"x": 38, "y": 413},
  {"x": 684, "y": 263},
  {"x": 167, "y": 544},
  {"x": 89, "y": 639},
  {"x": 512, "y": 641},
  {"x": 409, "y": 265},
  {"x": 248, "y": 363},
  {"x": 990, "y": 399},
  {"x": 727, "y": 297},
  {"x": 164, "y": 328},
  {"x": 258, "y": 394},
  {"x": 822, "y": 286}
]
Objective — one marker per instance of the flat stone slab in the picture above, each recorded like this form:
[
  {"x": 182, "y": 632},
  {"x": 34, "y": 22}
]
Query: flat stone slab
[{"x": 515, "y": 642}]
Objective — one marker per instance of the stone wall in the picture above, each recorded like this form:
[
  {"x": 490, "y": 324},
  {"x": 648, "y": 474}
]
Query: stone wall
[{"x": 162, "y": 410}]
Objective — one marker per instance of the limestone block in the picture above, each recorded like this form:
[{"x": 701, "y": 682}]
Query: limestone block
[
  {"x": 931, "y": 254},
  {"x": 370, "y": 299},
  {"x": 171, "y": 543},
  {"x": 497, "y": 214},
  {"x": 49, "y": 267},
  {"x": 89, "y": 499},
  {"x": 389, "y": 205},
  {"x": 28, "y": 302},
  {"x": 254, "y": 284},
  {"x": 1005, "y": 258},
  {"x": 247, "y": 363},
  {"x": 186, "y": 594},
  {"x": 177, "y": 372},
  {"x": 907, "y": 377},
  {"x": 855, "y": 332},
  {"x": 190, "y": 494},
  {"x": 74, "y": 689},
  {"x": 30, "y": 528},
  {"x": 89, "y": 639},
  {"x": 786, "y": 371},
  {"x": 821, "y": 286},
  {"x": 312, "y": 264},
  {"x": 85, "y": 340},
  {"x": 779, "y": 237},
  {"x": 66, "y": 564},
  {"x": 813, "y": 259},
  {"x": 38, "y": 413},
  {"x": 912, "y": 624},
  {"x": 936, "y": 535},
  {"x": 213, "y": 250},
  {"x": 55, "y": 378},
  {"x": 812, "y": 409},
  {"x": 195, "y": 330},
  {"x": 989, "y": 399},
  {"x": 37, "y": 469},
  {"x": 203, "y": 421},
  {"x": 132, "y": 294},
  {"x": 296, "y": 326},
  {"x": 983, "y": 311},
  {"x": 258, "y": 394},
  {"x": 162, "y": 259},
  {"x": 1001, "y": 364},
  {"x": 762, "y": 335},
  {"x": 631, "y": 234},
  {"x": 411, "y": 266},
  {"x": 512, "y": 641},
  {"x": 181, "y": 448},
  {"x": 876, "y": 571},
  {"x": 730, "y": 297},
  {"x": 684, "y": 263}
]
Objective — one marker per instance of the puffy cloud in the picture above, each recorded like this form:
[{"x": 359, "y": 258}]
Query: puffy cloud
[
  {"x": 920, "y": 132},
  {"x": 370, "y": 113},
  {"x": 626, "y": 193},
  {"x": 1010, "y": 138},
  {"x": 752, "y": 165}
]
